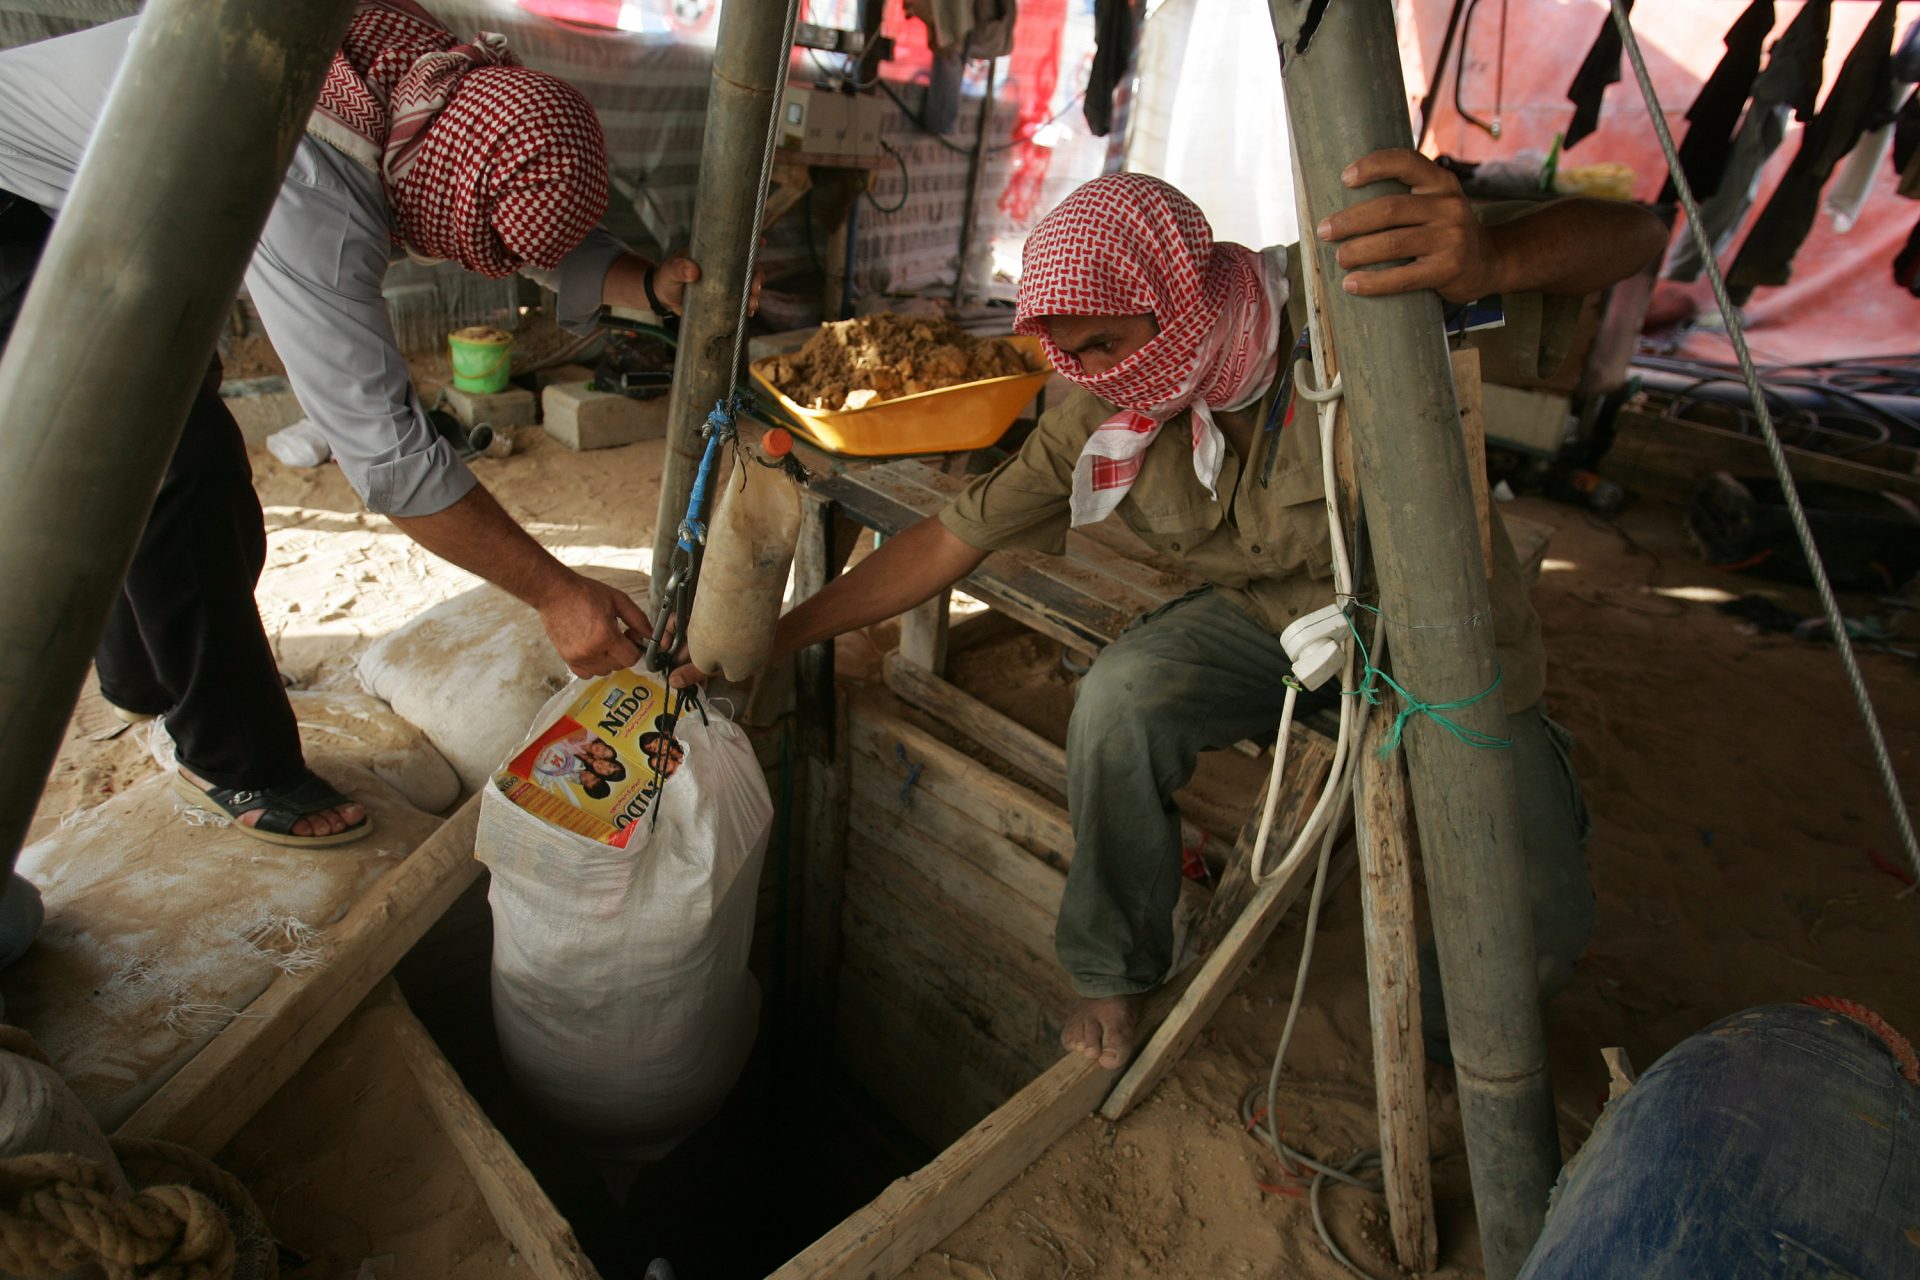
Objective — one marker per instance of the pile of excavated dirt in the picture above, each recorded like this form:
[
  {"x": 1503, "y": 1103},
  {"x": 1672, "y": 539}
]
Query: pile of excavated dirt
[{"x": 851, "y": 364}]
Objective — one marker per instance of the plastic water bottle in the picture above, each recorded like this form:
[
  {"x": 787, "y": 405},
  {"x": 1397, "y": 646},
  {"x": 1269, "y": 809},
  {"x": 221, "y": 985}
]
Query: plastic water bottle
[{"x": 744, "y": 574}]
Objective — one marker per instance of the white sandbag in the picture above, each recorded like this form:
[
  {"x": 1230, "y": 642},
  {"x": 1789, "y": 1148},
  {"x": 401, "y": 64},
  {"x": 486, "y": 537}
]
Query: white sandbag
[
  {"x": 361, "y": 729},
  {"x": 303, "y": 444},
  {"x": 620, "y": 987},
  {"x": 164, "y": 922},
  {"x": 471, "y": 673}
]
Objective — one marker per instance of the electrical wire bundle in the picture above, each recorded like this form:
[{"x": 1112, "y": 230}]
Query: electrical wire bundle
[{"x": 1841, "y": 407}]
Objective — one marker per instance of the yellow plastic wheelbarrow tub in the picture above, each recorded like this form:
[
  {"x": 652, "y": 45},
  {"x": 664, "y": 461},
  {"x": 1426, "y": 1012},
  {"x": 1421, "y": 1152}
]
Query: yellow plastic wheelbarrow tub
[{"x": 972, "y": 415}]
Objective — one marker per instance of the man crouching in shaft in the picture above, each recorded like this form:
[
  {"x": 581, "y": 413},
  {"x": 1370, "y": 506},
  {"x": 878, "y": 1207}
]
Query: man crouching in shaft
[{"x": 1163, "y": 328}]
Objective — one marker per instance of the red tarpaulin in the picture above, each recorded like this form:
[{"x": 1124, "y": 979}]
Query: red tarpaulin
[{"x": 1842, "y": 300}]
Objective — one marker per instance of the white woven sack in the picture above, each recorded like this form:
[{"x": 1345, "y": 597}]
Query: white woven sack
[{"x": 621, "y": 995}]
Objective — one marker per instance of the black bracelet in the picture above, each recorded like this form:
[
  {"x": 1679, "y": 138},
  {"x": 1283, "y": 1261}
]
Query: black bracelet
[{"x": 667, "y": 319}]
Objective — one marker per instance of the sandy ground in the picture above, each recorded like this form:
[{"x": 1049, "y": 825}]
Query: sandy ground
[
  {"x": 1737, "y": 824},
  {"x": 1737, "y": 821}
]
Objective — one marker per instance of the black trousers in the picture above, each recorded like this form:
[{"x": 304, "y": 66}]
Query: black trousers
[{"x": 184, "y": 637}]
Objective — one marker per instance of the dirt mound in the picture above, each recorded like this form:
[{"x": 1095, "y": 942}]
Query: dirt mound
[{"x": 851, "y": 364}]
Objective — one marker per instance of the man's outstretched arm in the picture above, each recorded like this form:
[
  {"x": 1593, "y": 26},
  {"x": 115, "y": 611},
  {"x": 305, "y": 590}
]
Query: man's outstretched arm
[
  {"x": 594, "y": 627},
  {"x": 1572, "y": 245},
  {"x": 909, "y": 568}
]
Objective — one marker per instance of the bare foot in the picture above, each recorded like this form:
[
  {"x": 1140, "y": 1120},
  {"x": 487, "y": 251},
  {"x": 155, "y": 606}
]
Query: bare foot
[
  {"x": 327, "y": 822},
  {"x": 1103, "y": 1029}
]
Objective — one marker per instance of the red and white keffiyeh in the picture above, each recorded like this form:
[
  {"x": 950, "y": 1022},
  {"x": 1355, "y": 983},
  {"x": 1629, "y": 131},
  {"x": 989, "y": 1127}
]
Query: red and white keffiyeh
[
  {"x": 1130, "y": 245},
  {"x": 486, "y": 163}
]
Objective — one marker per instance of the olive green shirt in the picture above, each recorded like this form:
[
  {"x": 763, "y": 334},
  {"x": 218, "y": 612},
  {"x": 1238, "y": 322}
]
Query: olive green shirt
[{"x": 1262, "y": 546}]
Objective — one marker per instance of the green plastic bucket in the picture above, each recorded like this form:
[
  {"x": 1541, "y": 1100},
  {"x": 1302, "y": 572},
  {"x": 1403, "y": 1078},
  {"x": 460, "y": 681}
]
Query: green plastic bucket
[{"x": 481, "y": 356}]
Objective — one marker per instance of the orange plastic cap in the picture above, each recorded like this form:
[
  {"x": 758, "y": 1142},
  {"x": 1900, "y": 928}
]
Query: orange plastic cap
[{"x": 777, "y": 443}]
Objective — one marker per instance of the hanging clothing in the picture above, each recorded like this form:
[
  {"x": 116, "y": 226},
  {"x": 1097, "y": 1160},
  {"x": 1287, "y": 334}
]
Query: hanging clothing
[
  {"x": 1715, "y": 112},
  {"x": 1906, "y": 146},
  {"x": 1601, "y": 68},
  {"x": 1131, "y": 245},
  {"x": 1860, "y": 97},
  {"x": 1112, "y": 52},
  {"x": 1790, "y": 83},
  {"x": 486, "y": 163},
  {"x": 973, "y": 28},
  {"x": 1906, "y": 267},
  {"x": 1847, "y": 195}
]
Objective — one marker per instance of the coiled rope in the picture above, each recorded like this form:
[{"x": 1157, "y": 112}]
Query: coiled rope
[{"x": 60, "y": 1212}]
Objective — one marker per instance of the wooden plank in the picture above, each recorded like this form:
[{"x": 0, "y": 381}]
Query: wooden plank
[
  {"x": 1005, "y": 1012},
  {"x": 1043, "y": 761},
  {"x": 905, "y": 946},
  {"x": 908, "y": 946},
  {"x": 528, "y": 1219},
  {"x": 1040, "y": 759},
  {"x": 956, "y": 879},
  {"x": 964, "y": 783},
  {"x": 1012, "y": 867},
  {"x": 820, "y": 779},
  {"x": 1667, "y": 458},
  {"x": 923, "y": 1208},
  {"x": 820, "y": 836},
  {"x": 923, "y": 634},
  {"x": 1007, "y": 807},
  {"x": 1473, "y": 433},
  {"x": 936, "y": 1096},
  {"x": 208, "y": 1100},
  {"x": 1237, "y": 947},
  {"x": 1384, "y": 830},
  {"x": 1309, "y": 760}
]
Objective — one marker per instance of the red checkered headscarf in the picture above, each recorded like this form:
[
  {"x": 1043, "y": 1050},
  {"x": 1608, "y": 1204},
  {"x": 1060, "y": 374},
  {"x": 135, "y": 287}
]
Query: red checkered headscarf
[
  {"x": 486, "y": 163},
  {"x": 1131, "y": 245}
]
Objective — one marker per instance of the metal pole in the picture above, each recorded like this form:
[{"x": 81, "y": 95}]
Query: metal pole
[
  {"x": 113, "y": 339},
  {"x": 975, "y": 172},
  {"x": 749, "y": 73},
  {"x": 1344, "y": 99}
]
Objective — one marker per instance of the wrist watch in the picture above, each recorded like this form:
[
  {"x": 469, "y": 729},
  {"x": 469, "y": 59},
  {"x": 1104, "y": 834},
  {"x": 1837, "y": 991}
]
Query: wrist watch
[{"x": 668, "y": 319}]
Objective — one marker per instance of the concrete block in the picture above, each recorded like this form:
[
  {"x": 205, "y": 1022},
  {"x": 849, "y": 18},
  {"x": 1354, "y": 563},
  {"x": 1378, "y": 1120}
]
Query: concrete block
[
  {"x": 510, "y": 408},
  {"x": 583, "y": 419},
  {"x": 261, "y": 406},
  {"x": 544, "y": 378}
]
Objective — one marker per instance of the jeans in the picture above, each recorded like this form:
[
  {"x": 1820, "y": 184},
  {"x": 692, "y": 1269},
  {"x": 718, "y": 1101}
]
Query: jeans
[
  {"x": 1200, "y": 674},
  {"x": 1778, "y": 1144}
]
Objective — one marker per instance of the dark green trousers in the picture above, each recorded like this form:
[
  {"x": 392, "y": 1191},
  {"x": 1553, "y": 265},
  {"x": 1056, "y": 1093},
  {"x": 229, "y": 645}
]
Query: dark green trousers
[{"x": 1198, "y": 675}]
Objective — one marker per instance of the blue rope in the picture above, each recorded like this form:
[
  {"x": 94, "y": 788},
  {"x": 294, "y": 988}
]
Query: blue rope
[
  {"x": 719, "y": 432},
  {"x": 1412, "y": 706}
]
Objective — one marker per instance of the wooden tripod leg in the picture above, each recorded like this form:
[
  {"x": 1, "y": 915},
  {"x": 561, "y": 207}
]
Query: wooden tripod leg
[{"x": 1383, "y": 824}]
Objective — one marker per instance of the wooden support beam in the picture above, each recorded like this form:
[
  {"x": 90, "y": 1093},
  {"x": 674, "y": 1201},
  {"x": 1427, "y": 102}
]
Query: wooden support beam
[
  {"x": 1473, "y": 432},
  {"x": 1384, "y": 827},
  {"x": 923, "y": 1208},
  {"x": 1037, "y": 757},
  {"x": 820, "y": 774},
  {"x": 966, "y": 784},
  {"x": 923, "y": 634},
  {"x": 1236, "y": 948},
  {"x": 1042, "y": 760},
  {"x": 1309, "y": 760},
  {"x": 539, "y": 1234},
  {"x": 208, "y": 1100}
]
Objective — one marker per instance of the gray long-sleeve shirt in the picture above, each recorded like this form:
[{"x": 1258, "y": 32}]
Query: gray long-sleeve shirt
[{"x": 315, "y": 276}]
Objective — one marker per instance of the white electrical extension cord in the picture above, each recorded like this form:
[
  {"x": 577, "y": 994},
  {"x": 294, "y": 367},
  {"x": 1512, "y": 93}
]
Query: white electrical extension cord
[{"x": 1325, "y": 402}]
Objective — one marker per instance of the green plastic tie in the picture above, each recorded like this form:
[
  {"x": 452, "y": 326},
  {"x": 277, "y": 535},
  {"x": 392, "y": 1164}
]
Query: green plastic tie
[{"x": 1412, "y": 706}]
